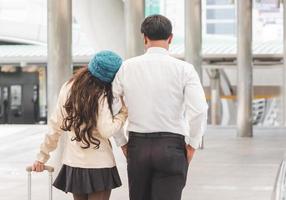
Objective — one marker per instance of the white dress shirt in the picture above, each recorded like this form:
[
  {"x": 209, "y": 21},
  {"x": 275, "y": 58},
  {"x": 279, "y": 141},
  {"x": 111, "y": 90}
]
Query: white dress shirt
[{"x": 163, "y": 94}]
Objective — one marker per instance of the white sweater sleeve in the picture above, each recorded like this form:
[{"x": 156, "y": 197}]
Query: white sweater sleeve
[
  {"x": 108, "y": 125},
  {"x": 51, "y": 140}
]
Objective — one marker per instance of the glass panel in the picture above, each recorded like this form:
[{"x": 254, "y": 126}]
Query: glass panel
[
  {"x": 220, "y": 14},
  {"x": 1, "y": 103},
  {"x": 5, "y": 94},
  {"x": 16, "y": 96},
  {"x": 267, "y": 22},
  {"x": 221, "y": 28},
  {"x": 152, "y": 7},
  {"x": 174, "y": 10},
  {"x": 218, "y": 2},
  {"x": 42, "y": 91},
  {"x": 267, "y": 4}
]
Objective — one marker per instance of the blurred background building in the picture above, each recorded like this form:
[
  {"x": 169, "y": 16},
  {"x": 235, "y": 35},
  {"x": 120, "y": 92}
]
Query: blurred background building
[
  {"x": 23, "y": 53},
  {"x": 241, "y": 63}
]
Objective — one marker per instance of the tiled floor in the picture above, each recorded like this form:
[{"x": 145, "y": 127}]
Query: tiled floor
[{"x": 229, "y": 168}]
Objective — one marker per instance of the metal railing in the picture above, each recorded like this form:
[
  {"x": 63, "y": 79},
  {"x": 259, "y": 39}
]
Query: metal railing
[{"x": 279, "y": 192}]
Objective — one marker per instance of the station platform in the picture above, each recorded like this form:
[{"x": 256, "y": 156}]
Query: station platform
[{"x": 228, "y": 168}]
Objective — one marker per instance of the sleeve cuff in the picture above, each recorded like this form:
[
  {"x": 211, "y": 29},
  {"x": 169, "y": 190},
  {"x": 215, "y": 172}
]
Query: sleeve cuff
[
  {"x": 122, "y": 116},
  {"x": 120, "y": 142},
  {"x": 120, "y": 138},
  {"x": 195, "y": 143}
]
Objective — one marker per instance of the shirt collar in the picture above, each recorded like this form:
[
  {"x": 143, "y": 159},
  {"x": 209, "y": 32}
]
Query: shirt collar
[{"x": 157, "y": 50}]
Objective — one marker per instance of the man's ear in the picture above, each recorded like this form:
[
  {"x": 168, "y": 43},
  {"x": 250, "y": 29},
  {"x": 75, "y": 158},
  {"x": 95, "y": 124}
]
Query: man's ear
[
  {"x": 170, "y": 39},
  {"x": 145, "y": 40}
]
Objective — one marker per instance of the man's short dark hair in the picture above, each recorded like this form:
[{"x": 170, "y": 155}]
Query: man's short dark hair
[{"x": 157, "y": 27}]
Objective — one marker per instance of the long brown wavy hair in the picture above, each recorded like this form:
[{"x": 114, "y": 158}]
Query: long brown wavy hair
[{"x": 82, "y": 106}]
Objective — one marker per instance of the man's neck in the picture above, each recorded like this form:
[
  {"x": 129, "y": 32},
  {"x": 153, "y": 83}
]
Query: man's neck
[{"x": 159, "y": 43}]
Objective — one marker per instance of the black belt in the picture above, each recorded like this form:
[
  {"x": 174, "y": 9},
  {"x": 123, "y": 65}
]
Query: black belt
[{"x": 156, "y": 135}]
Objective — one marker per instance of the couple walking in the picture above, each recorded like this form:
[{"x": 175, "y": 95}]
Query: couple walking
[{"x": 167, "y": 112}]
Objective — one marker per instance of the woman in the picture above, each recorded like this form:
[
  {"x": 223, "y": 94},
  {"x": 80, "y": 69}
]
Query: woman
[{"x": 84, "y": 111}]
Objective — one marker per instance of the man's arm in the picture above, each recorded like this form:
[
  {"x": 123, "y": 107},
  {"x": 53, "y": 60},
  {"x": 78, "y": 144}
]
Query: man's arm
[
  {"x": 118, "y": 93},
  {"x": 117, "y": 84},
  {"x": 195, "y": 106}
]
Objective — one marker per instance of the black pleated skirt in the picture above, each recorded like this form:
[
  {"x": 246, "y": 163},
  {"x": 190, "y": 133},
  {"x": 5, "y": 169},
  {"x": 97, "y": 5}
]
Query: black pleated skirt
[{"x": 87, "y": 181}]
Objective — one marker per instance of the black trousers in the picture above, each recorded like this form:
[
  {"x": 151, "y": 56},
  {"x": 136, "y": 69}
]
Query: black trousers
[{"x": 157, "y": 166}]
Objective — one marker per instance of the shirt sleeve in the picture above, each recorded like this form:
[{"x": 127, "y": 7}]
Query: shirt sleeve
[
  {"x": 196, "y": 106},
  {"x": 117, "y": 84},
  {"x": 116, "y": 105},
  {"x": 120, "y": 137},
  {"x": 118, "y": 91},
  {"x": 51, "y": 140},
  {"x": 108, "y": 125}
]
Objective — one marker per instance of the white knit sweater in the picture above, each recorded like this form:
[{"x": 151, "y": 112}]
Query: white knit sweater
[{"x": 74, "y": 155}]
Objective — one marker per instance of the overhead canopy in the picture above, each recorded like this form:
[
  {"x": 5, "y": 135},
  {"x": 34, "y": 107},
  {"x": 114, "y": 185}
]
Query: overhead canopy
[
  {"x": 16, "y": 54},
  {"x": 219, "y": 48},
  {"x": 212, "y": 50}
]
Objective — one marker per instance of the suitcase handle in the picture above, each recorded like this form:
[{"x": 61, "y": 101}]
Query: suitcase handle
[{"x": 46, "y": 168}]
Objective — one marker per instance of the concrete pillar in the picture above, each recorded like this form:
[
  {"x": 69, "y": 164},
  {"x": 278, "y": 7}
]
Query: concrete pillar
[
  {"x": 244, "y": 59},
  {"x": 215, "y": 96},
  {"x": 134, "y": 16},
  {"x": 193, "y": 34},
  {"x": 59, "y": 56},
  {"x": 284, "y": 69},
  {"x": 59, "y": 47}
]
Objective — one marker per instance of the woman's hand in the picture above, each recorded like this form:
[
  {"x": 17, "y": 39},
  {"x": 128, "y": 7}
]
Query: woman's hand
[{"x": 38, "y": 166}]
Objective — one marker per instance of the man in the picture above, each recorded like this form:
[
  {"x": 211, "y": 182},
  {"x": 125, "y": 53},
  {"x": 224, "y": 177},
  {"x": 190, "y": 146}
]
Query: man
[{"x": 162, "y": 94}]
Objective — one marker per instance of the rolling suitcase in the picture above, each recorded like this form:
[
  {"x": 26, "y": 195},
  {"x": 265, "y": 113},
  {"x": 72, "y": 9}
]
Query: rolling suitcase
[{"x": 50, "y": 171}]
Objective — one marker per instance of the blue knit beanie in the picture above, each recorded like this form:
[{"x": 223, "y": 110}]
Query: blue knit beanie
[{"x": 104, "y": 65}]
